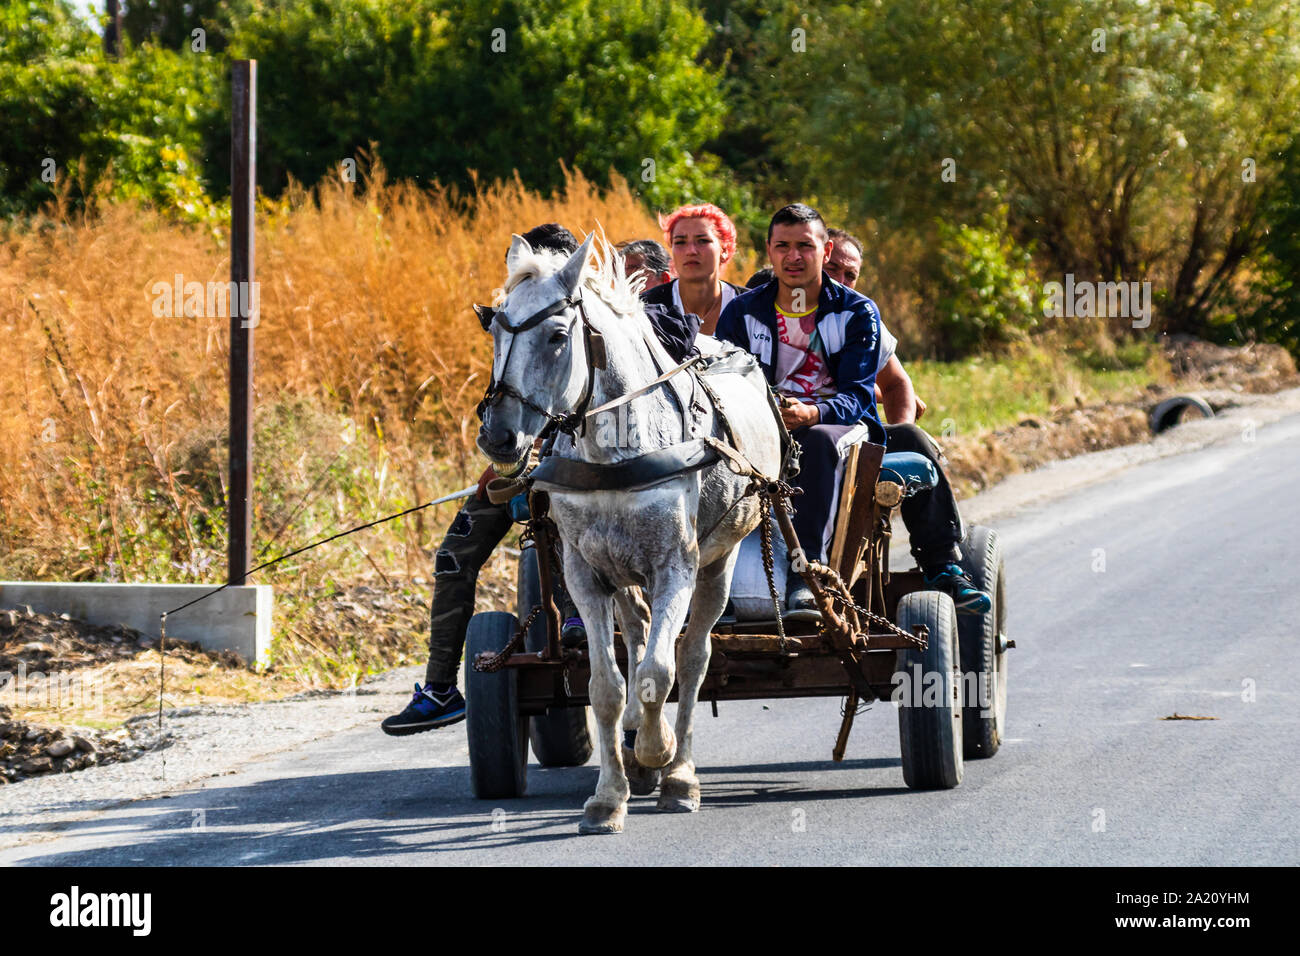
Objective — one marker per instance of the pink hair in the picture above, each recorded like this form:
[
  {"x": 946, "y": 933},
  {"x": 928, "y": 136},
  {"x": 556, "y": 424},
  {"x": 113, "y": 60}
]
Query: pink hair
[{"x": 721, "y": 222}]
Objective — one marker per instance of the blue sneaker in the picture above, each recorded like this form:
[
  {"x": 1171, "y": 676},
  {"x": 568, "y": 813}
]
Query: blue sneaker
[
  {"x": 426, "y": 711},
  {"x": 967, "y": 598}
]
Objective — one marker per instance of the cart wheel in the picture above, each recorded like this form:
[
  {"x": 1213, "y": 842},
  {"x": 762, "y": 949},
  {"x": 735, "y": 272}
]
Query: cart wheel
[
  {"x": 498, "y": 735},
  {"x": 983, "y": 647},
  {"x": 562, "y": 736},
  {"x": 929, "y": 715}
]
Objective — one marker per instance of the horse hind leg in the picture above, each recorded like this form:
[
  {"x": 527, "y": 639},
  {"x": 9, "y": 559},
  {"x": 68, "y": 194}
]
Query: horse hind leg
[
  {"x": 680, "y": 790},
  {"x": 634, "y": 621}
]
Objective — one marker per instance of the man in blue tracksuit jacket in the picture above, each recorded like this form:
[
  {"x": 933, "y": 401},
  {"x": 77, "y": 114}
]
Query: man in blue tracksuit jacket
[{"x": 819, "y": 345}]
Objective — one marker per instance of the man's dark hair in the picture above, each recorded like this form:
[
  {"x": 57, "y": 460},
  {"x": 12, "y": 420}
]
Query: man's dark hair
[
  {"x": 653, "y": 256},
  {"x": 842, "y": 236},
  {"x": 793, "y": 214},
  {"x": 761, "y": 277},
  {"x": 552, "y": 237}
]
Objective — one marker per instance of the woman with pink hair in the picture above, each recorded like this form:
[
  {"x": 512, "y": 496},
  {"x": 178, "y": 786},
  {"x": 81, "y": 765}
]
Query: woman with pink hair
[{"x": 701, "y": 240}]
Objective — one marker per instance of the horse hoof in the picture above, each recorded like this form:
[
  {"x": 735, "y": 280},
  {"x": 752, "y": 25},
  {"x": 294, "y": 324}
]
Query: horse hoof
[
  {"x": 642, "y": 781},
  {"x": 678, "y": 796},
  {"x": 599, "y": 819},
  {"x": 653, "y": 761}
]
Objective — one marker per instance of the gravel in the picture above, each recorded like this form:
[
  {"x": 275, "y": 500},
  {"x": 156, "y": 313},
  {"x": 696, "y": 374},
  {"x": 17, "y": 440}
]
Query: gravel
[{"x": 196, "y": 743}]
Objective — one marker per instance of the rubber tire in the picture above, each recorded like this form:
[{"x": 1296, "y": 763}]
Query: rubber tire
[
  {"x": 1173, "y": 411},
  {"x": 562, "y": 736},
  {"x": 497, "y": 733},
  {"x": 981, "y": 637},
  {"x": 931, "y": 736}
]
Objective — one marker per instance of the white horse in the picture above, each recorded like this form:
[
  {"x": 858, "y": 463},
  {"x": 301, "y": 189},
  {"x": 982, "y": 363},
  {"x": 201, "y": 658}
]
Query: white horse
[{"x": 658, "y": 551}]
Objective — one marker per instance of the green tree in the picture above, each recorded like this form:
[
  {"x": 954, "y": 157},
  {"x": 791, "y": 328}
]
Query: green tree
[
  {"x": 1272, "y": 313},
  {"x": 984, "y": 288},
  {"x": 68, "y": 115},
  {"x": 171, "y": 23},
  {"x": 1117, "y": 132},
  {"x": 492, "y": 86}
]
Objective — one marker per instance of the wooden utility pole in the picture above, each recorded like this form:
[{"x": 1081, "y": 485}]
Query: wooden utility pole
[{"x": 243, "y": 313}]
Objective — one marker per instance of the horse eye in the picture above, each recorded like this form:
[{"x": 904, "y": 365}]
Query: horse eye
[{"x": 558, "y": 337}]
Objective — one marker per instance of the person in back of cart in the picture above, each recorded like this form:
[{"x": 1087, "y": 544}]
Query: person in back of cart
[
  {"x": 701, "y": 240},
  {"x": 647, "y": 258}
]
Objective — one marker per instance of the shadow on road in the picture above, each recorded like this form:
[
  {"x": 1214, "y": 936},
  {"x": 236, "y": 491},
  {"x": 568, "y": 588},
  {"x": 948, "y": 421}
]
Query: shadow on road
[{"x": 390, "y": 813}]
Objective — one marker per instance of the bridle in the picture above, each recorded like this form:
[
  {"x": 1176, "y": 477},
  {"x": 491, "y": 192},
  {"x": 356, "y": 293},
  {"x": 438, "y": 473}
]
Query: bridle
[{"x": 593, "y": 346}]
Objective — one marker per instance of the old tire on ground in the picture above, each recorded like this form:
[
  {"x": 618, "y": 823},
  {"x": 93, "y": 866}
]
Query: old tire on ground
[
  {"x": 497, "y": 733},
  {"x": 929, "y": 713},
  {"x": 562, "y": 736},
  {"x": 983, "y": 647},
  {"x": 1176, "y": 410}
]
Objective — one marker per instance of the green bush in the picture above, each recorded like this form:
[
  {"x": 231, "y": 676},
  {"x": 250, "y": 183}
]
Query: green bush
[
  {"x": 985, "y": 292},
  {"x": 1271, "y": 310},
  {"x": 132, "y": 126},
  {"x": 492, "y": 86}
]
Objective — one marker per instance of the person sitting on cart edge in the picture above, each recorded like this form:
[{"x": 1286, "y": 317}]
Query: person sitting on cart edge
[
  {"x": 932, "y": 518},
  {"x": 475, "y": 532},
  {"x": 819, "y": 344}
]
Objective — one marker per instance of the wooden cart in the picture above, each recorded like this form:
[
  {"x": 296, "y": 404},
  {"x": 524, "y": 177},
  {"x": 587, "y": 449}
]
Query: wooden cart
[{"x": 882, "y": 637}]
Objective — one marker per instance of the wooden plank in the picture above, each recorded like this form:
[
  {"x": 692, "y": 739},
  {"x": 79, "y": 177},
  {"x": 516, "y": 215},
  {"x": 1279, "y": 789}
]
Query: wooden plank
[
  {"x": 860, "y": 520},
  {"x": 761, "y": 643},
  {"x": 848, "y": 489}
]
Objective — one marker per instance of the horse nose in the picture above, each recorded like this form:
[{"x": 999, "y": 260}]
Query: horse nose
[{"x": 497, "y": 445}]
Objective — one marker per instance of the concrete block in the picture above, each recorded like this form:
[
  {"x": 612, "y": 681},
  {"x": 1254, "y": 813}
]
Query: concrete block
[{"x": 237, "y": 619}]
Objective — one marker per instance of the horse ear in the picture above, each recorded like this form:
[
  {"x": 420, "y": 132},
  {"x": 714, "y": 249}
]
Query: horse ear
[
  {"x": 518, "y": 247},
  {"x": 571, "y": 274},
  {"x": 485, "y": 315}
]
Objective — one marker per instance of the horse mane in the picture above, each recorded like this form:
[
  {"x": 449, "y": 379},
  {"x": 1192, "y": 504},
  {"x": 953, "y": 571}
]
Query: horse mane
[{"x": 603, "y": 276}]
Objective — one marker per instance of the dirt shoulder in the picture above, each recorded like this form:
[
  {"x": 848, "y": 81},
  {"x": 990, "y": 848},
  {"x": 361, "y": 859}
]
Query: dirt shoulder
[{"x": 1226, "y": 378}]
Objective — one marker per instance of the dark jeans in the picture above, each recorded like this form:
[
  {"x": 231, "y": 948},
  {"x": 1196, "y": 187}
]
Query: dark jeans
[
  {"x": 478, "y": 528},
  {"x": 930, "y": 516}
]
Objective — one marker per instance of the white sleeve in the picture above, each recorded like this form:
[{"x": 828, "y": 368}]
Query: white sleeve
[{"x": 887, "y": 346}]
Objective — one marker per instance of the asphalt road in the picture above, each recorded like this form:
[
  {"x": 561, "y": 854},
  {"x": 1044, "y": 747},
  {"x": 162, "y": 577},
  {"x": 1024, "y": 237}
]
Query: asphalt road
[{"x": 1196, "y": 612}]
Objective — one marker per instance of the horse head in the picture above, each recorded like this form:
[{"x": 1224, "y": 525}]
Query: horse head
[{"x": 539, "y": 363}]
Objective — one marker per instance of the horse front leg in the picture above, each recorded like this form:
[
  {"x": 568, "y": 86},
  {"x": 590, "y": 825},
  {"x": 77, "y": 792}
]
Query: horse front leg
[
  {"x": 606, "y": 810},
  {"x": 680, "y": 791},
  {"x": 634, "y": 621},
  {"x": 656, "y": 744}
]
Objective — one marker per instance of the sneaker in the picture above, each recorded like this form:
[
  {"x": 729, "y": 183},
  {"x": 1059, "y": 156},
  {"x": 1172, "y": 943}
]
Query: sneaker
[
  {"x": 426, "y": 711},
  {"x": 573, "y": 633},
  {"x": 967, "y": 598}
]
